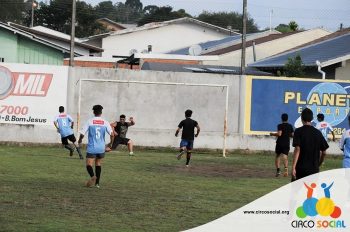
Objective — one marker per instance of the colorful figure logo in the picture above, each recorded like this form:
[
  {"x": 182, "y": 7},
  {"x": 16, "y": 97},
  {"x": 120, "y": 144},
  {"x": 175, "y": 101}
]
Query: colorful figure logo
[{"x": 313, "y": 206}]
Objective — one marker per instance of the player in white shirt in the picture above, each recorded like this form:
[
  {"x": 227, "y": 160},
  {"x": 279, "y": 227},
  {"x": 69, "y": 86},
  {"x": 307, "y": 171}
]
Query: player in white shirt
[
  {"x": 96, "y": 128},
  {"x": 345, "y": 147},
  {"x": 64, "y": 125},
  {"x": 324, "y": 127}
]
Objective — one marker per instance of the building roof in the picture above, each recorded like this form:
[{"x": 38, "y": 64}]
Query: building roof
[
  {"x": 34, "y": 37},
  {"x": 327, "y": 52},
  {"x": 50, "y": 35},
  {"x": 215, "y": 47},
  {"x": 171, "y": 67},
  {"x": 121, "y": 25},
  {"x": 154, "y": 25}
]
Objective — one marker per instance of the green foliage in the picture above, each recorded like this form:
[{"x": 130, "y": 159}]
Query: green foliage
[
  {"x": 226, "y": 19},
  {"x": 294, "y": 67},
  {"x": 12, "y": 11},
  {"x": 160, "y": 14},
  {"x": 292, "y": 26}
]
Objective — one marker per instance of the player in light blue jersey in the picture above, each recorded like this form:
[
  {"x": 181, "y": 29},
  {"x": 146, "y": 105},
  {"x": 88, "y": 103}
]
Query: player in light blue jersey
[
  {"x": 345, "y": 147},
  {"x": 324, "y": 127},
  {"x": 96, "y": 128},
  {"x": 64, "y": 125}
]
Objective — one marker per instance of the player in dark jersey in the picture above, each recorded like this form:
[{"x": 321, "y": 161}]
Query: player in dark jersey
[
  {"x": 188, "y": 135},
  {"x": 283, "y": 134},
  {"x": 120, "y": 129},
  {"x": 309, "y": 148}
]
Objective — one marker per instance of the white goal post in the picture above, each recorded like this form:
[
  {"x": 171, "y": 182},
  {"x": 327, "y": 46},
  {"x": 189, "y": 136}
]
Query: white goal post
[{"x": 160, "y": 83}]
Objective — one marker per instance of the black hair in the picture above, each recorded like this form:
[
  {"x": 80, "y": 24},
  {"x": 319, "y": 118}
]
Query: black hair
[
  {"x": 307, "y": 115},
  {"x": 188, "y": 113},
  {"x": 320, "y": 117},
  {"x": 284, "y": 117},
  {"x": 61, "y": 109},
  {"x": 122, "y": 116},
  {"x": 97, "y": 109}
]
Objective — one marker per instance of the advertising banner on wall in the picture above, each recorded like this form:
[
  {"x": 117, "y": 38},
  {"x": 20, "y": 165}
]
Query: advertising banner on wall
[
  {"x": 31, "y": 94},
  {"x": 269, "y": 97}
]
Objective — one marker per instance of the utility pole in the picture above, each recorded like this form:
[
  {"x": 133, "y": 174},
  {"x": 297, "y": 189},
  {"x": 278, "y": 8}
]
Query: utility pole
[
  {"x": 32, "y": 19},
  {"x": 244, "y": 35},
  {"x": 72, "y": 36}
]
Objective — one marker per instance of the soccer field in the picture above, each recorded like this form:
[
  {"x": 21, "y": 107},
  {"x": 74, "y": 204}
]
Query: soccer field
[{"x": 42, "y": 189}]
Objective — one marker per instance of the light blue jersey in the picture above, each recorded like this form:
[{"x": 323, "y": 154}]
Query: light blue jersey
[
  {"x": 64, "y": 123},
  {"x": 345, "y": 146},
  {"x": 96, "y": 128},
  {"x": 325, "y": 128}
]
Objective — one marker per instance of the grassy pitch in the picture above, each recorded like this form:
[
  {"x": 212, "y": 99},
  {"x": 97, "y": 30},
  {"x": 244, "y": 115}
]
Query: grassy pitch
[{"x": 42, "y": 189}]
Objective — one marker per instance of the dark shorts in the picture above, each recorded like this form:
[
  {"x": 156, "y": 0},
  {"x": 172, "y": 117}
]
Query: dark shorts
[
  {"x": 118, "y": 141},
  {"x": 281, "y": 150},
  {"x": 97, "y": 156},
  {"x": 304, "y": 173},
  {"x": 70, "y": 138},
  {"x": 186, "y": 143}
]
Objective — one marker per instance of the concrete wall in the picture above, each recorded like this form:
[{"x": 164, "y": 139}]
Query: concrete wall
[
  {"x": 162, "y": 39},
  {"x": 157, "y": 109},
  {"x": 343, "y": 73},
  {"x": 270, "y": 48}
]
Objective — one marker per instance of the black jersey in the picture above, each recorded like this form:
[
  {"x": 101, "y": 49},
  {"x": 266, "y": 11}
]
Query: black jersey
[
  {"x": 188, "y": 126},
  {"x": 287, "y": 130},
  {"x": 121, "y": 129},
  {"x": 311, "y": 142}
]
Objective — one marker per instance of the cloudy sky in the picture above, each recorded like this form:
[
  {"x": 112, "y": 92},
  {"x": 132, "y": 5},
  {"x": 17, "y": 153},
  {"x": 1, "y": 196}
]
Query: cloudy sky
[{"x": 307, "y": 13}]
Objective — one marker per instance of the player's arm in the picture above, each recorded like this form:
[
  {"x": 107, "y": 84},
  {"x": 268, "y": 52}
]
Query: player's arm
[
  {"x": 277, "y": 134},
  {"x": 323, "y": 154},
  {"x": 295, "y": 159},
  {"x": 72, "y": 125},
  {"x": 113, "y": 125},
  {"x": 198, "y": 130},
  {"x": 333, "y": 135},
  {"x": 131, "y": 121},
  {"x": 177, "y": 131},
  {"x": 80, "y": 140},
  {"x": 342, "y": 142},
  {"x": 111, "y": 132}
]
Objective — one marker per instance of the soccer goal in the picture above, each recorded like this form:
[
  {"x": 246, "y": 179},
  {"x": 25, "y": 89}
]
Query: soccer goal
[{"x": 158, "y": 106}]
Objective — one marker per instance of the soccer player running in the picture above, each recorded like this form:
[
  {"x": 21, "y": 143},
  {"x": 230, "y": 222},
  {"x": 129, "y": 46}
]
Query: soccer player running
[
  {"x": 309, "y": 148},
  {"x": 64, "y": 125},
  {"x": 187, "y": 138},
  {"x": 283, "y": 134},
  {"x": 324, "y": 127},
  {"x": 96, "y": 128},
  {"x": 345, "y": 147},
  {"x": 120, "y": 129}
]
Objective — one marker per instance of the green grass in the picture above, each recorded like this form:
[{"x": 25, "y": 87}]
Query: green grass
[{"x": 42, "y": 189}]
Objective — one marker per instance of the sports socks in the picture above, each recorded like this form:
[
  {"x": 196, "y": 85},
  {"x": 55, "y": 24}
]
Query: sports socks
[
  {"x": 68, "y": 147},
  {"x": 188, "y": 157},
  {"x": 98, "y": 170},
  {"x": 90, "y": 170}
]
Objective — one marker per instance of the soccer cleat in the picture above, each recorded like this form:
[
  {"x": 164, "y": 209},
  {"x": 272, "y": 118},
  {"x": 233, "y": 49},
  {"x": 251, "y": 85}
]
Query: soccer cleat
[
  {"x": 187, "y": 166},
  {"x": 91, "y": 182},
  {"x": 180, "y": 155},
  {"x": 285, "y": 174},
  {"x": 81, "y": 157},
  {"x": 71, "y": 152},
  {"x": 97, "y": 186},
  {"x": 131, "y": 153},
  {"x": 278, "y": 173}
]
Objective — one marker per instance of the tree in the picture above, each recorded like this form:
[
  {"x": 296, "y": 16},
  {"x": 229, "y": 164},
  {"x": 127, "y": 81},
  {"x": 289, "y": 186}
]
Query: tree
[
  {"x": 133, "y": 10},
  {"x": 161, "y": 14},
  {"x": 12, "y": 11},
  {"x": 228, "y": 19},
  {"x": 106, "y": 9},
  {"x": 294, "y": 67},
  {"x": 284, "y": 28}
]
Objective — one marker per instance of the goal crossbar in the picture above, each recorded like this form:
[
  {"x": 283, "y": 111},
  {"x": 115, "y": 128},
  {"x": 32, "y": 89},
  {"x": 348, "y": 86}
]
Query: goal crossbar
[{"x": 161, "y": 83}]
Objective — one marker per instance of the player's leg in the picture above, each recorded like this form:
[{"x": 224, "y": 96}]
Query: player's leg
[
  {"x": 182, "y": 151},
  {"x": 130, "y": 145},
  {"x": 116, "y": 142},
  {"x": 64, "y": 141},
  {"x": 90, "y": 159},
  {"x": 277, "y": 160},
  {"x": 285, "y": 163},
  {"x": 189, "y": 148},
  {"x": 73, "y": 140},
  {"x": 98, "y": 169}
]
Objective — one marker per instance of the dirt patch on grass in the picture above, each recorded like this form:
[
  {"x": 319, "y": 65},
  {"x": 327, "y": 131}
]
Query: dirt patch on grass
[{"x": 223, "y": 171}]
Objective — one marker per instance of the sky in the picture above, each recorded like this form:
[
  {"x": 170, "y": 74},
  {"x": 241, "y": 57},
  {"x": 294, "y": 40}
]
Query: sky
[{"x": 328, "y": 14}]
